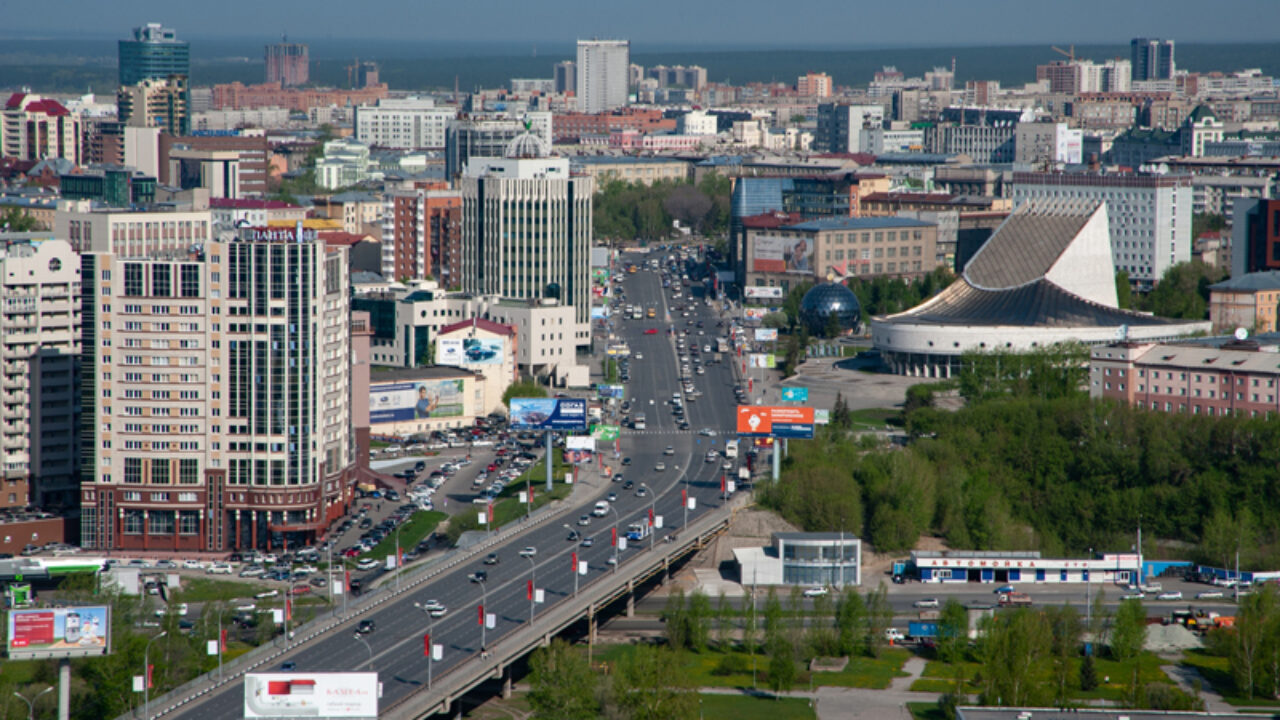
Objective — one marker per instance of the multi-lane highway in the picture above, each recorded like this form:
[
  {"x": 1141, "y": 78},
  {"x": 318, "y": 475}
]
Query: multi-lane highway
[{"x": 395, "y": 648}]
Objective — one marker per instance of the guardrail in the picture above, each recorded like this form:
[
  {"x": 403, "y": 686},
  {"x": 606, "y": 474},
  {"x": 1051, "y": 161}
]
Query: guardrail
[
  {"x": 460, "y": 679},
  {"x": 201, "y": 687}
]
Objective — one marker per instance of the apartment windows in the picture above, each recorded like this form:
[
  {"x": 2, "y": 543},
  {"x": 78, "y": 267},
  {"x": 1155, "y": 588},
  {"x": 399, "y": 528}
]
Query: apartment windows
[
  {"x": 189, "y": 471},
  {"x": 132, "y": 522},
  {"x": 188, "y": 522},
  {"x": 133, "y": 471},
  {"x": 160, "y": 522},
  {"x": 133, "y": 284},
  {"x": 161, "y": 280},
  {"x": 160, "y": 472}
]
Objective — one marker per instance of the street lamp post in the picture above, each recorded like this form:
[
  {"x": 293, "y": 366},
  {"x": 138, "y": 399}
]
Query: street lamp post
[
  {"x": 31, "y": 704},
  {"x": 615, "y": 537},
  {"x": 360, "y": 637},
  {"x": 399, "y": 557},
  {"x": 146, "y": 675},
  {"x": 484, "y": 625},
  {"x": 652, "y": 504},
  {"x": 220, "y": 611},
  {"x": 532, "y": 581}
]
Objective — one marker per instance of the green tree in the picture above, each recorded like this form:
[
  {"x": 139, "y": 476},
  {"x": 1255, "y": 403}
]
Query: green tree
[
  {"x": 1202, "y": 223},
  {"x": 698, "y": 617},
  {"x": 676, "y": 620},
  {"x": 821, "y": 638},
  {"x": 1183, "y": 291},
  {"x": 724, "y": 623},
  {"x": 1129, "y": 632},
  {"x": 841, "y": 417},
  {"x": 953, "y": 632},
  {"x": 782, "y": 665},
  {"x": 1124, "y": 291},
  {"x": 851, "y": 618},
  {"x": 775, "y": 320},
  {"x": 1013, "y": 643},
  {"x": 750, "y": 629},
  {"x": 879, "y": 618},
  {"x": 774, "y": 627},
  {"x": 562, "y": 684},
  {"x": 1088, "y": 674},
  {"x": 523, "y": 390},
  {"x": 15, "y": 220},
  {"x": 650, "y": 685},
  {"x": 1064, "y": 646}
]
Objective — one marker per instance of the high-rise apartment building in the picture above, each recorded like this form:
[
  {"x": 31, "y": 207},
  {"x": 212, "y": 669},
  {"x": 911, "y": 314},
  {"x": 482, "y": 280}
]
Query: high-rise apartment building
[
  {"x": 156, "y": 102},
  {"x": 288, "y": 64},
  {"x": 814, "y": 85},
  {"x": 840, "y": 126},
  {"x": 603, "y": 74},
  {"x": 566, "y": 77},
  {"x": 422, "y": 235},
  {"x": 1151, "y": 59},
  {"x": 693, "y": 77},
  {"x": 39, "y": 384},
  {"x": 487, "y": 135},
  {"x": 1255, "y": 236},
  {"x": 154, "y": 53},
  {"x": 403, "y": 124},
  {"x": 526, "y": 230},
  {"x": 36, "y": 128},
  {"x": 217, "y": 393},
  {"x": 1149, "y": 216}
]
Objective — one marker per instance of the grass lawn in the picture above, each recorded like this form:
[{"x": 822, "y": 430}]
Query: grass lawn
[
  {"x": 699, "y": 668},
  {"x": 874, "y": 418},
  {"x": 508, "y": 506},
  {"x": 210, "y": 590},
  {"x": 420, "y": 525},
  {"x": 938, "y": 676},
  {"x": 747, "y": 707},
  {"x": 865, "y": 672},
  {"x": 925, "y": 711},
  {"x": 1217, "y": 672}
]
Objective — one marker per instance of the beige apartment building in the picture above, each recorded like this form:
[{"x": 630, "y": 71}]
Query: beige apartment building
[
  {"x": 217, "y": 394},
  {"x": 840, "y": 247}
]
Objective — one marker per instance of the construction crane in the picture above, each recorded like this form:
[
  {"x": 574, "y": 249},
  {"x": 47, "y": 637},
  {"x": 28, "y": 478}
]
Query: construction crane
[{"x": 1071, "y": 54}]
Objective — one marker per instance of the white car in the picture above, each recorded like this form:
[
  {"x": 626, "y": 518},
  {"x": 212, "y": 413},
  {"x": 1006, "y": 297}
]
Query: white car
[
  {"x": 926, "y": 603},
  {"x": 529, "y": 551},
  {"x": 219, "y": 569},
  {"x": 1209, "y": 595},
  {"x": 659, "y": 467},
  {"x": 192, "y": 565},
  {"x": 267, "y": 594},
  {"x": 814, "y": 592},
  {"x": 669, "y": 451},
  {"x": 366, "y": 564},
  {"x": 1169, "y": 595},
  {"x": 1133, "y": 595}
]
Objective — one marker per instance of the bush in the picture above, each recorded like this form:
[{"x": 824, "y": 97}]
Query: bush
[
  {"x": 1161, "y": 696},
  {"x": 732, "y": 664}
]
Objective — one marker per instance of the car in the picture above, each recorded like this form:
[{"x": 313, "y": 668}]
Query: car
[
  {"x": 1133, "y": 595},
  {"x": 166, "y": 565},
  {"x": 628, "y": 485},
  {"x": 659, "y": 467},
  {"x": 638, "y": 356},
  {"x": 926, "y": 603},
  {"x": 626, "y": 461},
  {"x": 288, "y": 666},
  {"x": 707, "y": 432},
  {"x": 529, "y": 551},
  {"x": 651, "y": 331},
  {"x": 642, "y": 491},
  {"x": 611, "y": 561},
  {"x": 478, "y": 576},
  {"x": 267, "y": 594},
  {"x": 1209, "y": 595},
  {"x": 491, "y": 559},
  {"x": 365, "y": 627},
  {"x": 319, "y": 582},
  {"x": 252, "y": 571},
  {"x": 219, "y": 569},
  {"x": 1169, "y": 595},
  {"x": 366, "y": 564},
  {"x": 584, "y": 520},
  {"x": 814, "y": 592},
  {"x": 192, "y": 565},
  {"x": 612, "y": 497},
  {"x": 573, "y": 536},
  {"x": 300, "y": 590},
  {"x": 1004, "y": 590},
  {"x": 430, "y": 605},
  {"x": 669, "y": 451},
  {"x": 588, "y": 541},
  {"x": 726, "y": 465}
]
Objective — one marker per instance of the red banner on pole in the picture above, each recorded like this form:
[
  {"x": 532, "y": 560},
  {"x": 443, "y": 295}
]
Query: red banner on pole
[
  {"x": 426, "y": 645},
  {"x": 490, "y": 515},
  {"x": 575, "y": 561},
  {"x": 481, "y": 615},
  {"x": 288, "y": 609},
  {"x": 222, "y": 647},
  {"x": 149, "y": 669},
  {"x": 650, "y": 517},
  {"x": 615, "y": 536},
  {"x": 722, "y": 484},
  {"x": 684, "y": 497},
  {"x": 346, "y": 581},
  {"x": 529, "y": 592}
]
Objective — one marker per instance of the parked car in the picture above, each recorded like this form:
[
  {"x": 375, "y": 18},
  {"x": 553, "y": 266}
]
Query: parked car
[
  {"x": 219, "y": 569},
  {"x": 1169, "y": 595},
  {"x": 814, "y": 592},
  {"x": 366, "y": 564},
  {"x": 926, "y": 603}
]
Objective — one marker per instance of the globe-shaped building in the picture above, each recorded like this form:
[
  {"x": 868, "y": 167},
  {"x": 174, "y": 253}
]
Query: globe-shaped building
[{"x": 823, "y": 301}]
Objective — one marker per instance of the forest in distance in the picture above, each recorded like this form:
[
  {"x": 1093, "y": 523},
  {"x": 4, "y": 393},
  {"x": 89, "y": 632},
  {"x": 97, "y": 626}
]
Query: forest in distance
[{"x": 1032, "y": 463}]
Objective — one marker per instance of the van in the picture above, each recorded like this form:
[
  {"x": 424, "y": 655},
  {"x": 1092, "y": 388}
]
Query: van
[
  {"x": 731, "y": 449},
  {"x": 601, "y": 509}
]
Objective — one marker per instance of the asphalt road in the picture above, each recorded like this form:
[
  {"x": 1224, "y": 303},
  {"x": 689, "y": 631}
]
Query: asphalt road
[{"x": 396, "y": 645}]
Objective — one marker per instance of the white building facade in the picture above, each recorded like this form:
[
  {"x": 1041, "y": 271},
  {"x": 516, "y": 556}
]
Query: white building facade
[
  {"x": 603, "y": 67},
  {"x": 403, "y": 124}
]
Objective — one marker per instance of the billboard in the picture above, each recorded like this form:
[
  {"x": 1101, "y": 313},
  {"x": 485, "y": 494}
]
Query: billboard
[
  {"x": 600, "y": 275},
  {"x": 579, "y": 457},
  {"x": 795, "y": 394},
  {"x": 761, "y": 360},
  {"x": 416, "y": 400},
  {"x": 821, "y": 417},
  {"x": 766, "y": 334},
  {"x": 295, "y": 694},
  {"x": 580, "y": 442},
  {"x": 782, "y": 255},
  {"x": 755, "y": 291},
  {"x": 470, "y": 351},
  {"x": 599, "y": 312},
  {"x": 59, "y": 632},
  {"x": 607, "y": 392},
  {"x": 548, "y": 414},
  {"x": 604, "y": 433},
  {"x": 775, "y": 421}
]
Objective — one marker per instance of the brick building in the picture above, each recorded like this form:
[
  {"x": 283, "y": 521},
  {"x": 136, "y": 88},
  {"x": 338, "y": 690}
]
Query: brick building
[{"x": 1237, "y": 378}]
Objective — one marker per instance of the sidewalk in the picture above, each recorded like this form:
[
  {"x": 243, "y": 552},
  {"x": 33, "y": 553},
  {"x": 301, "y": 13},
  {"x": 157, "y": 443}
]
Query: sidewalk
[{"x": 1186, "y": 677}]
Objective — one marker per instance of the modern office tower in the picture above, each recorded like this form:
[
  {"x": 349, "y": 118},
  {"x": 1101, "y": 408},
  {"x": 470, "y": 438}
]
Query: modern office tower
[
  {"x": 403, "y": 124},
  {"x": 1255, "y": 236},
  {"x": 566, "y": 77},
  {"x": 36, "y": 128},
  {"x": 526, "y": 230},
  {"x": 487, "y": 135},
  {"x": 217, "y": 392},
  {"x": 288, "y": 64},
  {"x": 156, "y": 102},
  {"x": 40, "y": 382},
  {"x": 840, "y": 126},
  {"x": 1149, "y": 216},
  {"x": 1151, "y": 59},
  {"x": 603, "y": 71},
  {"x": 154, "y": 53}
]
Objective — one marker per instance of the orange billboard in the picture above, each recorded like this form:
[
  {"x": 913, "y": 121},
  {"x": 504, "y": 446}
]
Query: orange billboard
[{"x": 775, "y": 421}]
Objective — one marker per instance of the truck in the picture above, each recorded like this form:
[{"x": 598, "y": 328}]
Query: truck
[
  {"x": 637, "y": 531},
  {"x": 638, "y": 422},
  {"x": 922, "y": 631},
  {"x": 1014, "y": 599},
  {"x": 731, "y": 449}
]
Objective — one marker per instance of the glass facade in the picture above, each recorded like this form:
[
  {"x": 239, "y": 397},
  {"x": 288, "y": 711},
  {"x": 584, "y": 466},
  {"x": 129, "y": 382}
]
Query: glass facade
[{"x": 819, "y": 560}]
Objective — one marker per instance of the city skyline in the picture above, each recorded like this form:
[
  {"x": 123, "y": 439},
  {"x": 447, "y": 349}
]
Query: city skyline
[{"x": 994, "y": 22}]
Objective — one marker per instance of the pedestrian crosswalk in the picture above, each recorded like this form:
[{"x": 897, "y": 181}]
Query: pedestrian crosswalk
[{"x": 719, "y": 432}]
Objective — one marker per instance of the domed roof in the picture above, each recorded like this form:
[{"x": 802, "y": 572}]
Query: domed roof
[
  {"x": 527, "y": 145},
  {"x": 829, "y": 299}
]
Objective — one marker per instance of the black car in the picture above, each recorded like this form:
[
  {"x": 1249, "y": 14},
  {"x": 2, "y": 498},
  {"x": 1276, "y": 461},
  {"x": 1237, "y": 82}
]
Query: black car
[
  {"x": 573, "y": 536},
  {"x": 628, "y": 485},
  {"x": 365, "y": 627},
  {"x": 626, "y": 461},
  {"x": 479, "y": 576},
  {"x": 491, "y": 559}
]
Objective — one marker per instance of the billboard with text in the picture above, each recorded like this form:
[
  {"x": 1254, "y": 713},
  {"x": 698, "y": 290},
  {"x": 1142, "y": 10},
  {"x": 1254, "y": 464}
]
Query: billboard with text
[
  {"x": 417, "y": 400},
  {"x": 470, "y": 351},
  {"x": 782, "y": 255},
  {"x": 59, "y": 632},
  {"x": 548, "y": 414},
  {"x": 766, "y": 334},
  {"x": 298, "y": 694},
  {"x": 757, "y": 292},
  {"x": 775, "y": 421}
]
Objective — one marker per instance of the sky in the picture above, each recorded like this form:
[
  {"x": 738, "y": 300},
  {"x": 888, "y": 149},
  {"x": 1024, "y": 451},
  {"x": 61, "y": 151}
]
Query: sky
[{"x": 671, "y": 23}]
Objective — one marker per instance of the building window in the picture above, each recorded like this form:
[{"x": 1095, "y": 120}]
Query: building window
[
  {"x": 132, "y": 522},
  {"x": 189, "y": 471},
  {"x": 160, "y": 472},
  {"x": 188, "y": 522},
  {"x": 133, "y": 470},
  {"x": 160, "y": 522}
]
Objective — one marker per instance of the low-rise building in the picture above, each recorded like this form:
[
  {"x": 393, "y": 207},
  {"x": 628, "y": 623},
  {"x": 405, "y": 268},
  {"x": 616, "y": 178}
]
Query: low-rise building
[
  {"x": 802, "y": 558},
  {"x": 645, "y": 170},
  {"x": 410, "y": 401},
  {"x": 486, "y": 348},
  {"x": 960, "y": 566},
  {"x": 840, "y": 247},
  {"x": 1211, "y": 378},
  {"x": 1246, "y": 301}
]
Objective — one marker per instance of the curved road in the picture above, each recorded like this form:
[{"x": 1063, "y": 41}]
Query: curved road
[{"x": 396, "y": 645}]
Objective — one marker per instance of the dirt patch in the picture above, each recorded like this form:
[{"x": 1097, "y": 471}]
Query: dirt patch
[
  {"x": 1166, "y": 639},
  {"x": 828, "y": 664}
]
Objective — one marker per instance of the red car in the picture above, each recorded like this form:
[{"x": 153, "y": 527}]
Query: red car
[
  {"x": 651, "y": 331},
  {"x": 300, "y": 590}
]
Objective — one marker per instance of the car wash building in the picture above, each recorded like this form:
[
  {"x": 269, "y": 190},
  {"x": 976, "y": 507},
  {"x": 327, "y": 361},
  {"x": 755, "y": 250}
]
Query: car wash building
[{"x": 1021, "y": 567}]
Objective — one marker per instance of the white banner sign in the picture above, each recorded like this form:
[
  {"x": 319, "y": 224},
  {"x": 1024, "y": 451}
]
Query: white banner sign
[
  {"x": 622, "y": 543},
  {"x": 580, "y": 442},
  {"x": 539, "y": 595},
  {"x": 761, "y": 292},
  {"x": 484, "y": 518},
  {"x": 213, "y": 647},
  {"x": 657, "y": 522},
  {"x": 437, "y": 652},
  {"x": 490, "y": 620},
  {"x": 582, "y": 567},
  {"x": 693, "y": 503}
]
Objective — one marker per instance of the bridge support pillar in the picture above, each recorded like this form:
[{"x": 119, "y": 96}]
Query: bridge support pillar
[
  {"x": 666, "y": 570},
  {"x": 591, "y": 624},
  {"x": 506, "y": 683},
  {"x": 631, "y": 599}
]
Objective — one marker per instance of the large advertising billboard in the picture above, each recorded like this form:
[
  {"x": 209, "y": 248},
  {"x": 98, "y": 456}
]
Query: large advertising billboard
[
  {"x": 755, "y": 291},
  {"x": 470, "y": 351},
  {"x": 417, "y": 400},
  {"x": 775, "y": 421},
  {"x": 59, "y": 632},
  {"x": 548, "y": 414},
  {"x": 782, "y": 255},
  {"x": 766, "y": 334},
  {"x": 609, "y": 392},
  {"x": 762, "y": 360},
  {"x": 296, "y": 694}
]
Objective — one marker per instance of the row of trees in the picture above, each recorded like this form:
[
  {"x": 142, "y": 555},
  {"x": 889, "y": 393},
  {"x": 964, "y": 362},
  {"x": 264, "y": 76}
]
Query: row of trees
[
  {"x": 1032, "y": 463},
  {"x": 633, "y": 211},
  {"x": 1253, "y": 646},
  {"x": 645, "y": 685},
  {"x": 1183, "y": 291}
]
